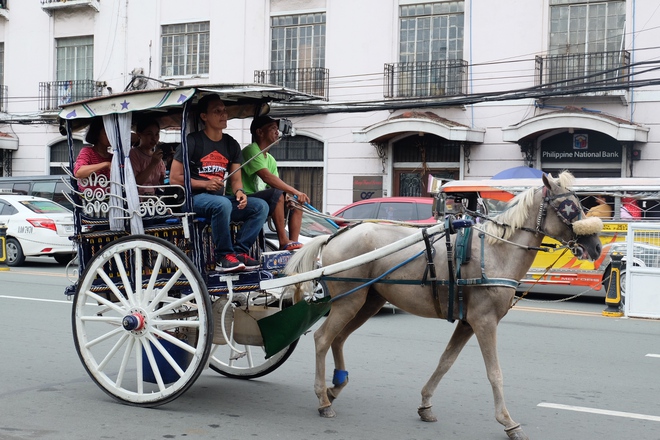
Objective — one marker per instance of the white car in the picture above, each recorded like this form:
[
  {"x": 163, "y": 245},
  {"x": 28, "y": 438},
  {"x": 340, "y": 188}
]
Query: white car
[{"x": 36, "y": 226}]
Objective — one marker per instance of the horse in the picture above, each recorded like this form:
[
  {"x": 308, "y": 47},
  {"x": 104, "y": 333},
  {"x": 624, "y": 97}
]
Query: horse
[{"x": 505, "y": 245}]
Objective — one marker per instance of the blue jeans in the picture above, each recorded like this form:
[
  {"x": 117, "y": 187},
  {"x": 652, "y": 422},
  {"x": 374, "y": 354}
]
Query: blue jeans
[{"x": 223, "y": 209}]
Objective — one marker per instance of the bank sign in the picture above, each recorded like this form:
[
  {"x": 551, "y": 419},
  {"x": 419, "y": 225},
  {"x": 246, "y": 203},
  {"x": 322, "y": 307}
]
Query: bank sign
[{"x": 581, "y": 147}]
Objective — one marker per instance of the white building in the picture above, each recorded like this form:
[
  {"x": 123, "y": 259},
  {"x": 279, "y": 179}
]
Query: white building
[{"x": 434, "y": 80}]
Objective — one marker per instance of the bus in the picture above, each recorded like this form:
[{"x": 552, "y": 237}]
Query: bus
[
  {"x": 618, "y": 201},
  {"x": 49, "y": 187}
]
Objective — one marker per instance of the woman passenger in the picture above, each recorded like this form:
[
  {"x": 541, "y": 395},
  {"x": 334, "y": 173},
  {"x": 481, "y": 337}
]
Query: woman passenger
[
  {"x": 146, "y": 158},
  {"x": 94, "y": 158}
]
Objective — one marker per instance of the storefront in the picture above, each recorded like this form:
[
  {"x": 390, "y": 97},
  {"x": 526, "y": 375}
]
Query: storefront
[{"x": 586, "y": 143}]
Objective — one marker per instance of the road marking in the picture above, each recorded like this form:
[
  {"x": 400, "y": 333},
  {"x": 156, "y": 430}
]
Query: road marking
[
  {"x": 556, "y": 311},
  {"x": 27, "y": 272},
  {"x": 604, "y": 412},
  {"x": 35, "y": 299},
  {"x": 651, "y": 355}
]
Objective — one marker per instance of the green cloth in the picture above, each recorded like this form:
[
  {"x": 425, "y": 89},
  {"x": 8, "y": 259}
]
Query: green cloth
[
  {"x": 251, "y": 181},
  {"x": 284, "y": 327}
]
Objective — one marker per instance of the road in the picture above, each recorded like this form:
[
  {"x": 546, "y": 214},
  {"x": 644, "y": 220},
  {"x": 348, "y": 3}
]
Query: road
[{"x": 569, "y": 372}]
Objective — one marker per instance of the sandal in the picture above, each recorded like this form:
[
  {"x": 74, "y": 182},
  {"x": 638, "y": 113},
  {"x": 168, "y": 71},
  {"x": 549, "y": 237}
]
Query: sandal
[{"x": 292, "y": 245}]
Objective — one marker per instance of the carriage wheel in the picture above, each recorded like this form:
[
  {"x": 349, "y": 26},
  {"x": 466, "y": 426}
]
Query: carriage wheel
[
  {"x": 143, "y": 337},
  {"x": 242, "y": 361},
  {"x": 250, "y": 365}
]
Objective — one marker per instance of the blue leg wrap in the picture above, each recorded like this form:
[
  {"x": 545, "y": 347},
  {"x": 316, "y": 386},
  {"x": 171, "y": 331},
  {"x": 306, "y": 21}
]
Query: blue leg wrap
[{"x": 339, "y": 377}]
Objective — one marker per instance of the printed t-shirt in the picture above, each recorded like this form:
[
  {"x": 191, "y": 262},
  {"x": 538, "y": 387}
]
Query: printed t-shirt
[
  {"x": 88, "y": 156},
  {"x": 251, "y": 181},
  {"x": 140, "y": 161},
  {"x": 209, "y": 159}
]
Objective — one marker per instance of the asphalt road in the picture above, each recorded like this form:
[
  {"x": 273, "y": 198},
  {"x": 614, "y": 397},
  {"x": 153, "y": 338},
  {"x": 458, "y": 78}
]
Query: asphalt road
[{"x": 569, "y": 373}]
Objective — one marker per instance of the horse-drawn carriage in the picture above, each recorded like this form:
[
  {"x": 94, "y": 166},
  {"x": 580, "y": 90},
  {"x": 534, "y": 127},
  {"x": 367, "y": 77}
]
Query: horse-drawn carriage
[{"x": 150, "y": 314}]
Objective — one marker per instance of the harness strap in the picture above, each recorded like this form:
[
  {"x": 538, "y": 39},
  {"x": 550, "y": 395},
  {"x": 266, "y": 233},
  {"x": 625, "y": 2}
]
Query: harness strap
[
  {"x": 463, "y": 251},
  {"x": 430, "y": 269},
  {"x": 450, "y": 271}
]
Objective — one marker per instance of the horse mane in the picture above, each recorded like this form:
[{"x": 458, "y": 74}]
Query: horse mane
[{"x": 518, "y": 209}]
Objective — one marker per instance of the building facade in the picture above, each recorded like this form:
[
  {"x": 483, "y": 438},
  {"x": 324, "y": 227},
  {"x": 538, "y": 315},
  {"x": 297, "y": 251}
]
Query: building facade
[{"x": 406, "y": 88}]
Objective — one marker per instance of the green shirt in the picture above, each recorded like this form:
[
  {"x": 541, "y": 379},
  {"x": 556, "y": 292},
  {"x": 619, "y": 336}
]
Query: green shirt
[{"x": 251, "y": 181}]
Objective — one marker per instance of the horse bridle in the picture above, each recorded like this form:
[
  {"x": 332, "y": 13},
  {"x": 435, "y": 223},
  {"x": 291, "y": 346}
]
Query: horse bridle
[{"x": 565, "y": 209}]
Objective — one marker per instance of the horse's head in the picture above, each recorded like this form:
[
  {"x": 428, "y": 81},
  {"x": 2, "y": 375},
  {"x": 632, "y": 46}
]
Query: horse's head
[{"x": 569, "y": 225}]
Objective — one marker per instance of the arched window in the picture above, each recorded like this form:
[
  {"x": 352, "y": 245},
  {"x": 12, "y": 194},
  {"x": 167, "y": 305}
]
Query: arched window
[
  {"x": 59, "y": 155},
  {"x": 300, "y": 164}
]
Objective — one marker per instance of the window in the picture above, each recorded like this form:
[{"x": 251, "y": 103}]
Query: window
[
  {"x": 365, "y": 210},
  {"x": 298, "y": 41},
  {"x": 59, "y": 156},
  {"x": 431, "y": 31},
  {"x": 300, "y": 164},
  {"x": 185, "y": 49},
  {"x": 74, "y": 71},
  {"x": 297, "y": 56},
  {"x": 430, "y": 50},
  {"x": 586, "y": 26},
  {"x": 586, "y": 37},
  {"x": 75, "y": 58},
  {"x": 7, "y": 209}
]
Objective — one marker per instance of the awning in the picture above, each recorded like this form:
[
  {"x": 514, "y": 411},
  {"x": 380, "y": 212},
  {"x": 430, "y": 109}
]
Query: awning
[
  {"x": 619, "y": 129},
  {"x": 419, "y": 122},
  {"x": 8, "y": 142},
  {"x": 127, "y": 102}
]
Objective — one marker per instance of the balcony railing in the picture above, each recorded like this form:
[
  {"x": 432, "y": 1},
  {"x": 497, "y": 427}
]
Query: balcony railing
[
  {"x": 583, "y": 70},
  {"x": 312, "y": 80},
  {"x": 50, "y": 5},
  {"x": 425, "y": 78},
  {"x": 55, "y": 93},
  {"x": 3, "y": 99}
]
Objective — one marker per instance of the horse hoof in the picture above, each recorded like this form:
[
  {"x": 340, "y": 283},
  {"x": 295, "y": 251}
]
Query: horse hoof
[
  {"x": 327, "y": 412},
  {"x": 516, "y": 433},
  {"x": 426, "y": 414}
]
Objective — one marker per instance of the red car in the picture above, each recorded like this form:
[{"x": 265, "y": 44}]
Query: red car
[{"x": 407, "y": 209}]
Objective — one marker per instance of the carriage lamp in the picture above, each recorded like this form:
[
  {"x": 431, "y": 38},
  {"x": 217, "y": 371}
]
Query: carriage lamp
[
  {"x": 613, "y": 295},
  {"x": 3, "y": 248}
]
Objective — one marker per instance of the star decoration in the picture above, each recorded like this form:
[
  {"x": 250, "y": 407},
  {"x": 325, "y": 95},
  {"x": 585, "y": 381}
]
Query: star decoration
[
  {"x": 568, "y": 209},
  {"x": 182, "y": 98},
  {"x": 124, "y": 105}
]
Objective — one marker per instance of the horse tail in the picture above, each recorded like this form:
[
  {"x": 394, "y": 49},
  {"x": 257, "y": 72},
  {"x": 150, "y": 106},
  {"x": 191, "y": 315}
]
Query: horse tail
[{"x": 305, "y": 260}]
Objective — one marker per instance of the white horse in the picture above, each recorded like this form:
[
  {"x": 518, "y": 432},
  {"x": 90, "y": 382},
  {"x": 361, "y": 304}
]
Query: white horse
[{"x": 508, "y": 244}]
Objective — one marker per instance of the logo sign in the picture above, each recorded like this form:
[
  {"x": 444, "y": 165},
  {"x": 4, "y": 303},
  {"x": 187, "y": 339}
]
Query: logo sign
[
  {"x": 367, "y": 187},
  {"x": 580, "y": 148},
  {"x": 580, "y": 141}
]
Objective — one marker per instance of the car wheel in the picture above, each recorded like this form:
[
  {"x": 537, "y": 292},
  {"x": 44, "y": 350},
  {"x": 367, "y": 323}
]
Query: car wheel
[
  {"x": 15, "y": 256},
  {"x": 63, "y": 258}
]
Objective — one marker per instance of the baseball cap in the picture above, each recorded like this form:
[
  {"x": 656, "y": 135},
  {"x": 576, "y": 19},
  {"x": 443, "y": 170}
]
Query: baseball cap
[{"x": 261, "y": 121}]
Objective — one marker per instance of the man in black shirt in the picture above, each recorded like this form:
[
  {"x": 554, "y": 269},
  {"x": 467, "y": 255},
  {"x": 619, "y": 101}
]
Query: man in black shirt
[{"x": 212, "y": 154}]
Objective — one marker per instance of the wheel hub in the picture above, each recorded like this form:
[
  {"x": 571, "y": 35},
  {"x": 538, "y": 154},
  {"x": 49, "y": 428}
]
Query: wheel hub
[{"x": 134, "y": 322}]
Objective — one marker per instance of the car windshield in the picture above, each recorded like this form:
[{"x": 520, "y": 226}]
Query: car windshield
[
  {"x": 313, "y": 226},
  {"x": 44, "y": 207}
]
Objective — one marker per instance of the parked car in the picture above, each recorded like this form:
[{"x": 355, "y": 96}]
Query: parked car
[
  {"x": 48, "y": 187},
  {"x": 36, "y": 226},
  {"x": 407, "y": 209}
]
